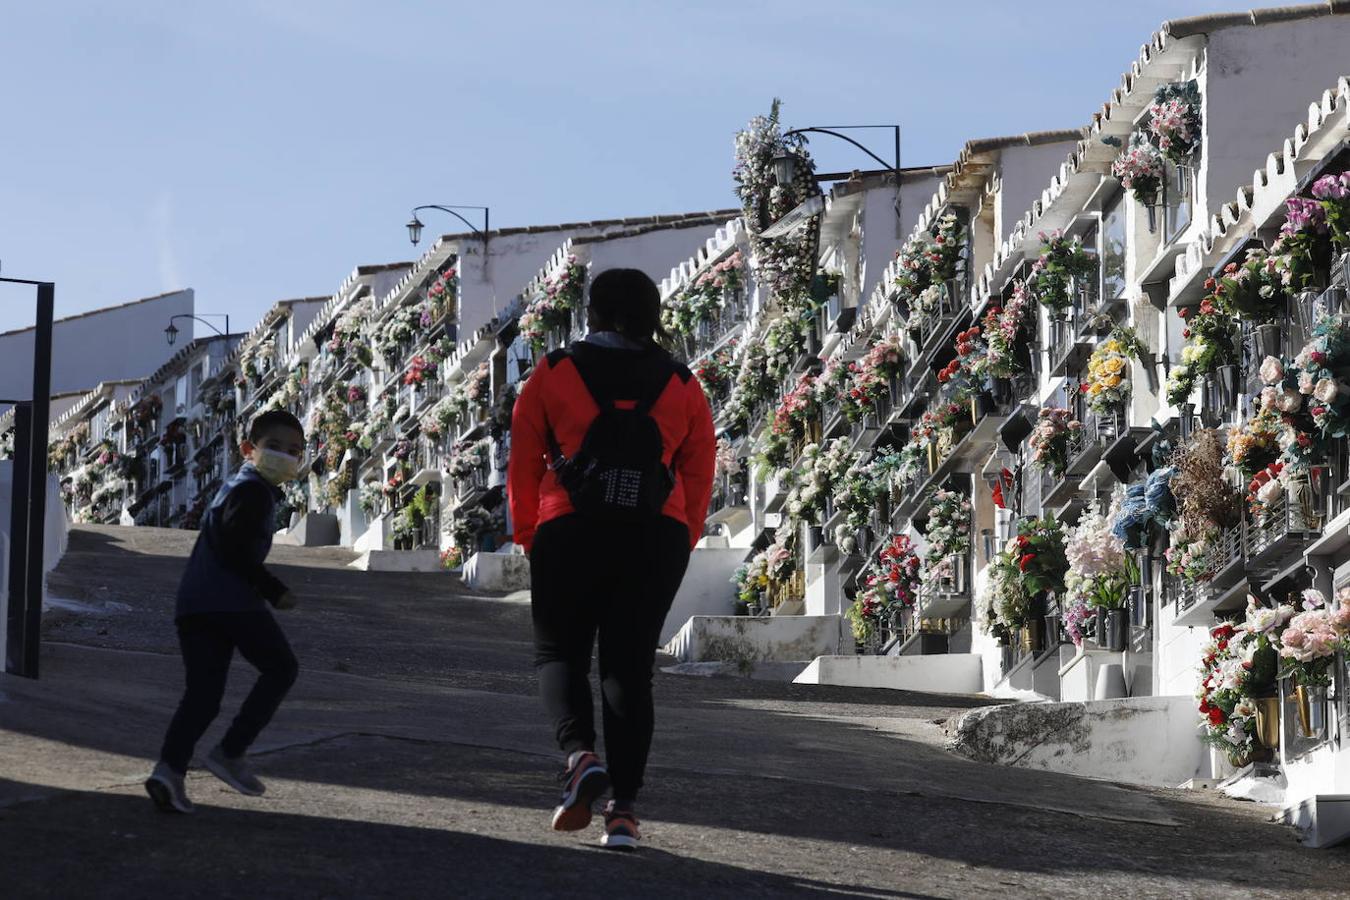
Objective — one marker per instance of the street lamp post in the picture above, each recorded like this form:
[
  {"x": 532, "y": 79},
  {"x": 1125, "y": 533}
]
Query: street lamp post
[
  {"x": 171, "y": 333},
  {"x": 415, "y": 224},
  {"x": 28, "y": 501}
]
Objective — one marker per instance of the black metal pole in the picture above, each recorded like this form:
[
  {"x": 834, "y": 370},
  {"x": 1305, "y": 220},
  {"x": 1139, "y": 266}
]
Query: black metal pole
[
  {"x": 18, "y": 539},
  {"x": 36, "y": 575}
]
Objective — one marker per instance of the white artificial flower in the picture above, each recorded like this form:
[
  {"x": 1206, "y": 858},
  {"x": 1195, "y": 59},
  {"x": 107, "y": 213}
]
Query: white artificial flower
[
  {"x": 1326, "y": 390},
  {"x": 1272, "y": 370},
  {"x": 1270, "y": 491}
]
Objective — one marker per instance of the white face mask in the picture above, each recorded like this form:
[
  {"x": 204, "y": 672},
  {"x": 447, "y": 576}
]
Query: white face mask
[{"x": 275, "y": 466}]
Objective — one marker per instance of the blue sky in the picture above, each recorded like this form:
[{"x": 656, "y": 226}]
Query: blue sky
[{"x": 259, "y": 149}]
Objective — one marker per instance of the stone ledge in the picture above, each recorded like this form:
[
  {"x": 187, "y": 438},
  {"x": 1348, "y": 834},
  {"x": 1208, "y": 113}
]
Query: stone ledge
[{"x": 1138, "y": 740}]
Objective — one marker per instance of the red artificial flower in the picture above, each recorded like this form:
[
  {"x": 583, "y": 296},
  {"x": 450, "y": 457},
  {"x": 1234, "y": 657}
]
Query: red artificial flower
[
  {"x": 1209, "y": 284},
  {"x": 1022, "y": 540},
  {"x": 1319, "y": 410},
  {"x": 998, "y": 495},
  {"x": 1216, "y": 716},
  {"x": 1025, "y": 561},
  {"x": 1184, "y": 312}
]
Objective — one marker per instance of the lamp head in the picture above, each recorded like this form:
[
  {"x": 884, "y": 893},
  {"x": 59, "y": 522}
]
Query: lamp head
[{"x": 415, "y": 230}]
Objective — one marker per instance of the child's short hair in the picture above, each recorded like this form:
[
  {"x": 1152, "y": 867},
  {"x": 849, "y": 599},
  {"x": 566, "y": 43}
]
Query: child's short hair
[{"x": 271, "y": 420}]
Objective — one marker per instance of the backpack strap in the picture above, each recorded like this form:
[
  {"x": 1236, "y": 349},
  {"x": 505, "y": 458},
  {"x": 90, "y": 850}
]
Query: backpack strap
[
  {"x": 654, "y": 391},
  {"x": 602, "y": 399}
]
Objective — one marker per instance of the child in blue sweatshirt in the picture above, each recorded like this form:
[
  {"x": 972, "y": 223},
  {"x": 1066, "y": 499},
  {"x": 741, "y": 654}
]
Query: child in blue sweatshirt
[{"x": 222, "y": 607}]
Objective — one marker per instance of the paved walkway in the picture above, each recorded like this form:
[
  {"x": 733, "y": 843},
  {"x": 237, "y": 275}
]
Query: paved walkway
[{"x": 413, "y": 760}]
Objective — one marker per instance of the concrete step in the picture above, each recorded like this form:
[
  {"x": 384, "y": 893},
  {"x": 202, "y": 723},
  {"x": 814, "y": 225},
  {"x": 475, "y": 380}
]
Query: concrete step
[{"x": 943, "y": 673}]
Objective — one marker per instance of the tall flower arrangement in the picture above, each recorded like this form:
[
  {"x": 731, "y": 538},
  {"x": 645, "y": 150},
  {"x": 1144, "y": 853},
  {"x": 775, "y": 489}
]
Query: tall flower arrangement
[
  {"x": 753, "y": 386},
  {"x": 1053, "y": 438},
  {"x": 785, "y": 265},
  {"x": 1333, "y": 192},
  {"x": 1302, "y": 252},
  {"x": 789, "y": 425},
  {"x": 1173, "y": 124},
  {"x": 1108, "y": 383},
  {"x": 1139, "y": 168},
  {"x": 716, "y": 372},
  {"x": 558, "y": 297},
  {"x": 702, "y": 299},
  {"x": 1062, "y": 261},
  {"x": 819, "y": 469},
  {"x": 1032, "y": 564},
  {"x": 1211, "y": 336},
  {"x": 1251, "y": 290},
  {"x": 857, "y": 493},
  {"x": 926, "y": 263},
  {"x": 443, "y": 292},
  {"x": 947, "y": 534},
  {"x": 1002, "y": 328},
  {"x": 1100, "y": 571}
]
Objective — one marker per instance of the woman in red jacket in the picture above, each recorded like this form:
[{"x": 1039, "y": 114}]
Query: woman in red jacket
[{"x": 592, "y": 575}]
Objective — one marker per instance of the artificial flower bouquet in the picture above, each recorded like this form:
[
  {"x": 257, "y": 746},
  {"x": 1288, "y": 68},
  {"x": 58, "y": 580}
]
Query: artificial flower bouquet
[
  {"x": 1053, "y": 438},
  {"x": 1063, "y": 262}
]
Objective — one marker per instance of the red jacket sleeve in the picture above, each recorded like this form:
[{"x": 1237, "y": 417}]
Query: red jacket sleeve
[
  {"x": 528, "y": 463},
  {"x": 695, "y": 460}
]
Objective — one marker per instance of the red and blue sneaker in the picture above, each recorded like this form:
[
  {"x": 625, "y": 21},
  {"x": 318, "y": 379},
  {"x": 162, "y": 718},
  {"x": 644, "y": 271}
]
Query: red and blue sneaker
[
  {"x": 585, "y": 781},
  {"x": 621, "y": 828}
]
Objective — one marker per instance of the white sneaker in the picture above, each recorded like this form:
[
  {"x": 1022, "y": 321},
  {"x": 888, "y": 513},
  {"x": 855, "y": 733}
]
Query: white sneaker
[
  {"x": 234, "y": 772},
  {"x": 166, "y": 788}
]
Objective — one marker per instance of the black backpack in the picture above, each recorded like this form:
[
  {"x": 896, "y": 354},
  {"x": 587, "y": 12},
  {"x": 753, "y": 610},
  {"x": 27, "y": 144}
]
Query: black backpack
[{"x": 618, "y": 473}]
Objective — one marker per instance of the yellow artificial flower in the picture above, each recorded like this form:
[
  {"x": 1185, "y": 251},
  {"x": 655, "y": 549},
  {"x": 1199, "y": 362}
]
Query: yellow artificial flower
[
  {"x": 1113, "y": 381},
  {"x": 1113, "y": 366}
]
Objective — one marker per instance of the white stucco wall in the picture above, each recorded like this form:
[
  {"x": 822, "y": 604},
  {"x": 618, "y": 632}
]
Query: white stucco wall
[
  {"x": 489, "y": 285},
  {"x": 706, "y": 589},
  {"x": 1177, "y": 654},
  {"x": 655, "y": 252},
  {"x": 1260, "y": 82},
  {"x": 1025, "y": 172},
  {"x": 116, "y": 344}
]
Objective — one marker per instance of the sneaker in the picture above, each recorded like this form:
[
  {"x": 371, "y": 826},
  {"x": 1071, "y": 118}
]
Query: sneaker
[
  {"x": 166, "y": 788},
  {"x": 585, "y": 782},
  {"x": 621, "y": 829},
  {"x": 234, "y": 772}
]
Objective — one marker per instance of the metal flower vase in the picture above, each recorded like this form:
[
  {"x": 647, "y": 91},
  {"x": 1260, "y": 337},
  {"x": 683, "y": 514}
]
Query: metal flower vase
[
  {"x": 1331, "y": 304},
  {"x": 1226, "y": 385},
  {"x": 1032, "y": 637},
  {"x": 1059, "y": 327},
  {"x": 1268, "y": 340},
  {"x": 1268, "y": 722},
  {"x": 1117, "y": 630},
  {"x": 1150, "y": 367},
  {"x": 1311, "y": 701}
]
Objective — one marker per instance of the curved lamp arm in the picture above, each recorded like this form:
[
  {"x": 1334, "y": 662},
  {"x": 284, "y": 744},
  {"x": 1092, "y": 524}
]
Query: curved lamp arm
[
  {"x": 415, "y": 224},
  {"x": 172, "y": 331},
  {"x": 842, "y": 137}
]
